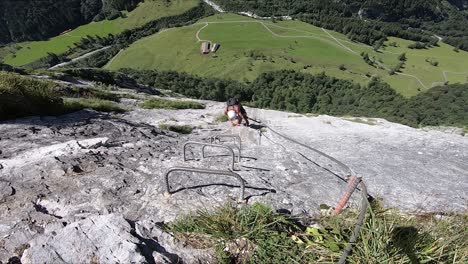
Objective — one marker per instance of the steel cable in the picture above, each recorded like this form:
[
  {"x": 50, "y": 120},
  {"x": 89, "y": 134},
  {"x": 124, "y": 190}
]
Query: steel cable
[{"x": 364, "y": 202}]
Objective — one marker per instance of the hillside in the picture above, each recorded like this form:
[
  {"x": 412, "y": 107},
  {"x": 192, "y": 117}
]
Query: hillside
[
  {"x": 90, "y": 186},
  {"x": 250, "y": 47},
  {"x": 38, "y": 20},
  {"x": 416, "y": 20},
  {"x": 350, "y": 144},
  {"x": 27, "y": 52}
]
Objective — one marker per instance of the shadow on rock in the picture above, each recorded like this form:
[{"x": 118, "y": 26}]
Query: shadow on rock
[
  {"x": 149, "y": 246},
  {"x": 264, "y": 191}
]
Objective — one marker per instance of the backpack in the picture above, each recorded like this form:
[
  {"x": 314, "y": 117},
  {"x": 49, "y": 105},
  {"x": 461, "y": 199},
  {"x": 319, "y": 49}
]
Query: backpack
[{"x": 232, "y": 101}]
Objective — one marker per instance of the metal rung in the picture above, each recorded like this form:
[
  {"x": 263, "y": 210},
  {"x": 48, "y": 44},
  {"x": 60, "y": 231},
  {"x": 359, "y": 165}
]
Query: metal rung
[
  {"x": 217, "y": 172},
  {"x": 213, "y": 140},
  {"x": 209, "y": 145}
]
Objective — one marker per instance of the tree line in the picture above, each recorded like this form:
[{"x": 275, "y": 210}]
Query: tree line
[
  {"x": 30, "y": 20},
  {"x": 305, "y": 93}
]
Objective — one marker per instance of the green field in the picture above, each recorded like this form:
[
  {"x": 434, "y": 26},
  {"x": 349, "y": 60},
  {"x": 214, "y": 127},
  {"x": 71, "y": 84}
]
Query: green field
[
  {"x": 285, "y": 45},
  {"x": 145, "y": 12}
]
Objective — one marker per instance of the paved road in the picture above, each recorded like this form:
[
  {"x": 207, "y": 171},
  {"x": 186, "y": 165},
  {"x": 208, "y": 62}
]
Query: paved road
[{"x": 78, "y": 58}]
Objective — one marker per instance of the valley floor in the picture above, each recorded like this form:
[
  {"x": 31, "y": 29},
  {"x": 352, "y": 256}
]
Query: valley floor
[{"x": 250, "y": 47}]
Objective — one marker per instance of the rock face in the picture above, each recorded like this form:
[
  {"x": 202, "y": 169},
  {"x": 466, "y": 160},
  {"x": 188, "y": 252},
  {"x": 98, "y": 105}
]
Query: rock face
[
  {"x": 88, "y": 187},
  {"x": 97, "y": 239}
]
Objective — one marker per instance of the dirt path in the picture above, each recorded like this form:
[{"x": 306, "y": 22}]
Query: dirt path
[
  {"x": 341, "y": 44},
  {"x": 198, "y": 33}
]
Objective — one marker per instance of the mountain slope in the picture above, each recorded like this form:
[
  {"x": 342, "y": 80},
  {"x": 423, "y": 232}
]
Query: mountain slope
[
  {"x": 86, "y": 165},
  {"x": 250, "y": 47},
  {"x": 37, "y": 20},
  {"x": 399, "y": 18},
  {"x": 145, "y": 12}
]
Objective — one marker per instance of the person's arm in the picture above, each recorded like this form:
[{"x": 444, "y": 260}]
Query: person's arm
[{"x": 226, "y": 110}]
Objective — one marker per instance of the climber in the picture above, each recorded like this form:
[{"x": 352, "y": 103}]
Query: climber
[{"x": 235, "y": 111}]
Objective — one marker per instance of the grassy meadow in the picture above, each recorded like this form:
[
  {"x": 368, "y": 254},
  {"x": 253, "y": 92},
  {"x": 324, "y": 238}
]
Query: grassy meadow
[{"x": 250, "y": 47}]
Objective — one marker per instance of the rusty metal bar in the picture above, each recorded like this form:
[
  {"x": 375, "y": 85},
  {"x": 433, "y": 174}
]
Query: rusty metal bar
[
  {"x": 213, "y": 140},
  {"x": 209, "y": 145},
  {"x": 353, "y": 182},
  {"x": 197, "y": 170},
  {"x": 357, "y": 227}
]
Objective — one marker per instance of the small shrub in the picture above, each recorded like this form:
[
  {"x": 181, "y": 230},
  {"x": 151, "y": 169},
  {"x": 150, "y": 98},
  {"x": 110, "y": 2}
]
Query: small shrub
[
  {"x": 92, "y": 103},
  {"x": 402, "y": 57},
  {"x": 432, "y": 62},
  {"x": 342, "y": 67},
  {"x": 158, "y": 103},
  {"x": 399, "y": 66},
  {"x": 221, "y": 118},
  {"x": 83, "y": 92},
  {"x": 184, "y": 129},
  {"x": 417, "y": 45}
]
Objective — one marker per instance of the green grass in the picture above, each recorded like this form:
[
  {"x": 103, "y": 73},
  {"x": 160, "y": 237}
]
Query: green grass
[
  {"x": 361, "y": 121},
  {"x": 178, "y": 49},
  {"x": 389, "y": 236},
  {"x": 159, "y": 103},
  {"x": 257, "y": 234},
  {"x": 301, "y": 47},
  {"x": 184, "y": 129},
  {"x": 22, "y": 96},
  {"x": 73, "y": 104},
  {"x": 145, "y": 12},
  {"x": 221, "y": 118},
  {"x": 83, "y": 92}
]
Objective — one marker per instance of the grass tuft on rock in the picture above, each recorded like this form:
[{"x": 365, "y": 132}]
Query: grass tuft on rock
[
  {"x": 221, "y": 118},
  {"x": 90, "y": 93},
  {"x": 23, "y": 96},
  {"x": 253, "y": 234},
  {"x": 92, "y": 103},
  {"x": 257, "y": 234},
  {"x": 158, "y": 103},
  {"x": 183, "y": 129}
]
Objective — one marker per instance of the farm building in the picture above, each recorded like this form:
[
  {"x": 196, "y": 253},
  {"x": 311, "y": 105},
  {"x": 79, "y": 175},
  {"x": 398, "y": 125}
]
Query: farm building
[
  {"x": 205, "y": 48},
  {"x": 215, "y": 47}
]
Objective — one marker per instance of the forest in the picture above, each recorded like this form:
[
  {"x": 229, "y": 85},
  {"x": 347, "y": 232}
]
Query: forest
[
  {"x": 371, "y": 20},
  {"x": 304, "y": 93},
  {"x": 28, "y": 20}
]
